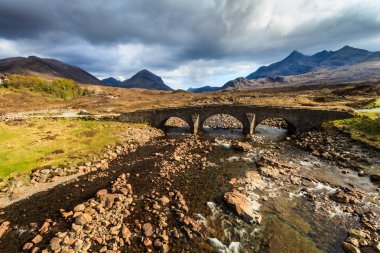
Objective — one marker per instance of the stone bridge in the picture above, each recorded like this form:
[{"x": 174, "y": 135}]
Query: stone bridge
[{"x": 250, "y": 116}]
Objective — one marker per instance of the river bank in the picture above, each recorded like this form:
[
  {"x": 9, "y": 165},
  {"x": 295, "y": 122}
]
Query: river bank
[{"x": 212, "y": 193}]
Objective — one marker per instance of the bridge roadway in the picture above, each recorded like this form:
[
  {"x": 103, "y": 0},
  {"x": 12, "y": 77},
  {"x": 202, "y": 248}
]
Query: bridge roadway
[{"x": 249, "y": 115}]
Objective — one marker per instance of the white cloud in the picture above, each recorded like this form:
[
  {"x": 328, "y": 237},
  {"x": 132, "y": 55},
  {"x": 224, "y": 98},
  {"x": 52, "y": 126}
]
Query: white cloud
[{"x": 198, "y": 42}]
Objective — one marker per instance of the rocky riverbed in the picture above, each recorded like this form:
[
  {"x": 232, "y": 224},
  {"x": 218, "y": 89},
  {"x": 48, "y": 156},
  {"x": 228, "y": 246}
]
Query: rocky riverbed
[{"x": 313, "y": 192}]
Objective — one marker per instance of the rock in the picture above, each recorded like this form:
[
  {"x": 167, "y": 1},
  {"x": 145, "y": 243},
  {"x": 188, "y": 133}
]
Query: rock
[
  {"x": 349, "y": 248},
  {"x": 147, "y": 242},
  {"x": 36, "y": 250},
  {"x": 243, "y": 206},
  {"x": 270, "y": 172},
  {"x": 101, "y": 193},
  {"x": 377, "y": 246},
  {"x": 165, "y": 200},
  {"x": 86, "y": 246},
  {"x": 66, "y": 250},
  {"x": 78, "y": 245},
  {"x": 126, "y": 233},
  {"x": 45, "y": 171},
  {"x": 4, "y": 227},
  {"x": 242, "y": 146},
  {"x": 345, "y": 198},
  {"x": 45, "y": 227},
  {"x": 37, "y": 239},
  {"x": 17, "y": 183},
  {"x": 358, "y": 234},
  {"x": 27, "y": 246},
  {"x": 148, "y": 229},
  {"x": 165, "y": 248},
  {"x": 114, "y": 230},
  {"x": 55, "y": 244},
  {"x": 82, "y": 219},
  {"x": 79, "y": 208}
]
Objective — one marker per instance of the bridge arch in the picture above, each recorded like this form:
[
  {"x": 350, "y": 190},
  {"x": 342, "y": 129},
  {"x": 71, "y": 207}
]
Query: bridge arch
[
  {"x": 162, "y": 122},
  {"x": 289, "y": 126},
  {"x": 222, "y": 120},
  {"x": 176, "y": 123},
  {"x": 240, "y": 117}
]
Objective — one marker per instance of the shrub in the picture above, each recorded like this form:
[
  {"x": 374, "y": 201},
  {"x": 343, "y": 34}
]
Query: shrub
[{"x": 63, "y": 88}]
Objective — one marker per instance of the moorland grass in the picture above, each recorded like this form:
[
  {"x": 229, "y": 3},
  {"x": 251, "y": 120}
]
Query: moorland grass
[
  {"x": 364, "y": 127},
  {"x": 375, "y": 103},
  {"x": 36, "y": 143}
]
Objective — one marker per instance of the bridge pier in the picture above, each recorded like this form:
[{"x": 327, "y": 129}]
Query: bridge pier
[
  {"x": 194, "y": 123},
  {"x": 249, "y": 125}
]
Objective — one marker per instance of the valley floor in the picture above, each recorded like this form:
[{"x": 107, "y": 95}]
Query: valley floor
[
  {"x": 182, "y": 193},
  {"x": 116, "y": 100},
  {"x": 71, "y": 184}
]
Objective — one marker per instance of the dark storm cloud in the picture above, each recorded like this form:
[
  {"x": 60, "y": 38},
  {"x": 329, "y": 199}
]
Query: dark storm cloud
[{"x": 121, "y": 36}]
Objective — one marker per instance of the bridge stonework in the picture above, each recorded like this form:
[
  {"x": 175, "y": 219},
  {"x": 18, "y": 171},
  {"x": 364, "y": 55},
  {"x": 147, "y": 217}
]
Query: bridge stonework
[{"x": 249, "y": 116}]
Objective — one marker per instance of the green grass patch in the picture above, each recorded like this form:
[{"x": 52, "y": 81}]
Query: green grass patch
[
  {"x": 36, "y": 143},
  {"x": 375, "y": 103},
  {"x": 364, "y": 127},
  {"x": 61, "y": 87}
]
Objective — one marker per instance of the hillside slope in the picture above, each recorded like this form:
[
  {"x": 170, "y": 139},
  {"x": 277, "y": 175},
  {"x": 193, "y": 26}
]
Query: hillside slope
[{"x": 45, "y": 68}]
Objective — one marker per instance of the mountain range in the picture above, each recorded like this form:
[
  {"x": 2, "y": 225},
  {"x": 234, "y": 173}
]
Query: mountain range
[
  {"x": 346, "y": 65},
  {"x": 50, "y": 69}
]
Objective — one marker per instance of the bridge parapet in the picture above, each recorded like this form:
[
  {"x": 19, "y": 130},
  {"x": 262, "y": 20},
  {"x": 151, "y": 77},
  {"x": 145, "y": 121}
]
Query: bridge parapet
[{"x": 249, "y": 116}]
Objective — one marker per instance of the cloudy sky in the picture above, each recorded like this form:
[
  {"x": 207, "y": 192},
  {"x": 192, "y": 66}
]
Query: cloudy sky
[{"x": 188, "y": 43}]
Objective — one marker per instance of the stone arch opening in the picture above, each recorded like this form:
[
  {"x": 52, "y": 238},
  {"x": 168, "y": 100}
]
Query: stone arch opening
[
  {"x": 222, "y": 121},
  {"x": 175, "y": 124},
  {"x": 275, "y": 126}
]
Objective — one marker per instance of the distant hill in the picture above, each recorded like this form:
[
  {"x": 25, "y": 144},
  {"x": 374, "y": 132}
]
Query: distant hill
[
  {"x": 145, "y": 79},
  {"x": 204, "y": 89},
  {"x": 297, "y": 63},
  {"x": 46, "y": 68},
  {"x": 110, "y": 81}
]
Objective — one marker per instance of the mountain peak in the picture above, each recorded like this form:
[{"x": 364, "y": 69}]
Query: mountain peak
[
  {"x": 111, "y": 81},
  {"x": 349, "y": 49},
  {"x": 346, "y": 47},
  {"x": 144, "y": 71},
  {"x": 295, "y": 54},
  {"x": 145, "y": 79}
]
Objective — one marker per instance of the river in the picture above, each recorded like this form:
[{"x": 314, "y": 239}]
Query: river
[{"x": 296, "y": 217}]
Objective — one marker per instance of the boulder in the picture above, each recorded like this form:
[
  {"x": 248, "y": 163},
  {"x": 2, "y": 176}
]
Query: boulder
[
  {"x": 82, "y": 219},
  {"x": 349, "y": 248},
  {"x": 242, "y": 146},
  {"x": 148, "y": 229},
  {"x": 346, "y": 197},
  {"x": 243, "y": 205}
]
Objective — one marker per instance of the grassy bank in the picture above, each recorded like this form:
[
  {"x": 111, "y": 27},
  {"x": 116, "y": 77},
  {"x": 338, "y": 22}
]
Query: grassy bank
[
  {"x": 374, "y": 103},
  {"x": 364, "y": 127},
  {"x": 37, "y": 143},
  {"x": 60, "y": 88}
]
